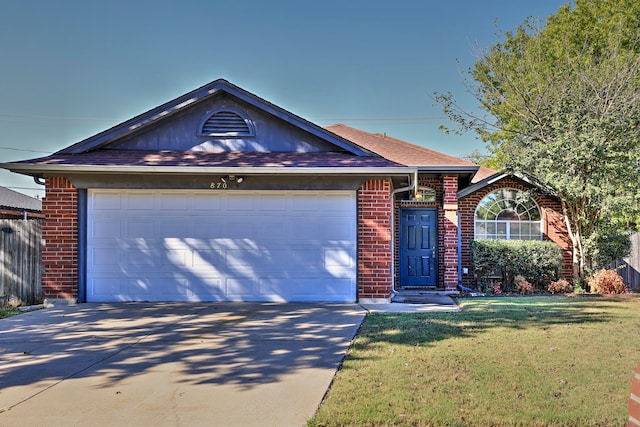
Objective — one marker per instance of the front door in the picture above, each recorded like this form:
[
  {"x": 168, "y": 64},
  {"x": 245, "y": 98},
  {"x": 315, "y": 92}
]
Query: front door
[{"x": 418, "y": 247}]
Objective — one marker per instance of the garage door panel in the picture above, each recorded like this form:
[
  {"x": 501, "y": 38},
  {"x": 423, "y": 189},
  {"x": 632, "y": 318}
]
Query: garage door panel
[
  {"x": 205, "y": 204},
  {"x": 138, "y": 229},
  {"x": 211, "y": 287},
  {"x": 339, "y": 258},
  {"x": 273, "y": 229},
  {"x": 208, "y": 259},
  {"x": 241, "y": 289},
  {"x": 239, "y": 203},
  {"x": 104, "y": 287},
  {"x": 203, "y": 231},
  {"x": 105, "y": 228},
  {"x": 271, "y": 206},
  {"x": 107, "y": 202},
  {"x": 144, "y": 202},
  {"x": 235, "y": 246},
  {"x": 105, "y": 259},
  {"x": 176, "y": 228}
]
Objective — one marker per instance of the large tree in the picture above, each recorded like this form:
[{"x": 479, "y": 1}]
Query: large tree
[{"x": 562, "y": 104}]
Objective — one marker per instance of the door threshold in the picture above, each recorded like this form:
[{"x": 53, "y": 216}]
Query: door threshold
[{"x": 425, "y": 291}]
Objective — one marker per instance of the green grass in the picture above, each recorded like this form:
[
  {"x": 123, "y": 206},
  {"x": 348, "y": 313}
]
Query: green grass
[
  {"x": 521, "y": 361},
  {"x": 7, "y": 312}
]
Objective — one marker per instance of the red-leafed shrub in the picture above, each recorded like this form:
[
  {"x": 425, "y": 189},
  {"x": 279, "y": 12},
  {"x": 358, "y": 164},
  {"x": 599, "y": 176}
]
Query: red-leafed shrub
[
  {"x": 522, "y": 285},
  {"x": 560, "y": 287},
  {"x": 607, "y": 282}
]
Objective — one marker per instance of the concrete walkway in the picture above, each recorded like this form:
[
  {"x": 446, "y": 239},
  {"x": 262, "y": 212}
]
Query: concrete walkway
[
  {"x": 170, "y": 364},
  {"x": 419, "y": 304}
]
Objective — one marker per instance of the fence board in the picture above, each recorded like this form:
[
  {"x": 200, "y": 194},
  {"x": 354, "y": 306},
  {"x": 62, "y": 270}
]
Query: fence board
[
  {"x": 629, "y": 268},
  {"x": 20, "y": 261}
]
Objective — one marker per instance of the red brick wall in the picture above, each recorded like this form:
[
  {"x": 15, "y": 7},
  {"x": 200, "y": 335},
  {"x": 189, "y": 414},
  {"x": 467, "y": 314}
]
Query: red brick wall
[
  {"x": 450, "y": 232},
  {"x": 553, "y": 224},
  {"x": 374, "y": 240},
  {"x": 60, "y": 234}
]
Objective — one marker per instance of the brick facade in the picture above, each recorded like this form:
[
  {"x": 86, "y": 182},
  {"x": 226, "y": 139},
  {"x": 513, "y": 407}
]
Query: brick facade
[
  {"x": 554, "y": 228},
  {"x": 375, "y": 258},
  {"x": 60, "y": 235},
  {"x": 374, "y": 240},
  {"x": 450, "y": 232}
]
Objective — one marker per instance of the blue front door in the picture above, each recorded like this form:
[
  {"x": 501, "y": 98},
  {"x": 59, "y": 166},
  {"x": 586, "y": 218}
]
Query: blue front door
[{"x": 418, "y": 247}]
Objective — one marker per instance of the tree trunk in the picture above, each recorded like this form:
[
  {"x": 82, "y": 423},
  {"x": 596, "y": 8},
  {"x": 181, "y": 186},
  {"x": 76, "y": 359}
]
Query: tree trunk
[{"x": 576, "y": 253}]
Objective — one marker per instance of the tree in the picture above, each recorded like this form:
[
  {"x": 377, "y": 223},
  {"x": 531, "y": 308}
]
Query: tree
[{"x": 563, "y": 104}]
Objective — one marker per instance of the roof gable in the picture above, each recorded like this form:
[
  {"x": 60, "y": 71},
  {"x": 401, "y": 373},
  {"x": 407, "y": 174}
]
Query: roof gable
[
  {"x": 200, "y": 101},
  {"x": 489, "y": 178}
]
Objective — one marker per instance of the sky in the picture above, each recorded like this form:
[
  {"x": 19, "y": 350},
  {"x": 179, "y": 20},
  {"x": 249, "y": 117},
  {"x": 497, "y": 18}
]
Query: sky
[{"x": 70, "y": 69}]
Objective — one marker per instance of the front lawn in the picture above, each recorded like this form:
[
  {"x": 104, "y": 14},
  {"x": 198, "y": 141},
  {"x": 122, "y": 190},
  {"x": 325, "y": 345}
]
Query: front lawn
[{"x": 522, "y": 361}]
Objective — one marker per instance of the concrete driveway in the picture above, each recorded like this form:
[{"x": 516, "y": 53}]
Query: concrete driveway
[{"x": 171, "y": 364}]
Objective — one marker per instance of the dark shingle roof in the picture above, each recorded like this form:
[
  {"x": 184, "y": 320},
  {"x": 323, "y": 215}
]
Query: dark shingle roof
[
  {"x": 211, "y": 159},
  {"x": 14, "y": 200}
]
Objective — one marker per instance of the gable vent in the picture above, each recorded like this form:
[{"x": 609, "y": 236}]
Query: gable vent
[{"x": 227, "y": 123}]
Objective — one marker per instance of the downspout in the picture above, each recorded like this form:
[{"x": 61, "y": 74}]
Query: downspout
[{"x": 413, "y": 186}]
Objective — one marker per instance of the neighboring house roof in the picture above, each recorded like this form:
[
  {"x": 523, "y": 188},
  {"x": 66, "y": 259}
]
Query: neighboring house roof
[
  {"x": 10, "y": 199},
  {"x": 408, "y": 154},
  {"x": 483, "y": 173}
]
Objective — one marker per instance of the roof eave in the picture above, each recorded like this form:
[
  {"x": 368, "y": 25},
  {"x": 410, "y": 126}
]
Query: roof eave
[{"x": 42, "y": 170}]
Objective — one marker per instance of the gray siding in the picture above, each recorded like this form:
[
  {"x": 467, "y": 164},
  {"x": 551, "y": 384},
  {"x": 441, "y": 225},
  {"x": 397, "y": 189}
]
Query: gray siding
[{"x": 181, "y": 132}]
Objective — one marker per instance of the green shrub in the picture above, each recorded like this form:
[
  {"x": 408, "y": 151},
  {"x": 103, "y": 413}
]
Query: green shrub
[
  {"x": 540, "y": 262},
  {"x": 607, "y": 282}
]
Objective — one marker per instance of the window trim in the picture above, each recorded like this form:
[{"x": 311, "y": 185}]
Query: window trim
[{"x": 507, "y": 222}]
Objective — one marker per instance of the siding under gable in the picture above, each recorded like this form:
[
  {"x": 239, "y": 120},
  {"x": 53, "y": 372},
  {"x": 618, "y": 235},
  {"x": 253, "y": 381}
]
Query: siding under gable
[{"x": 181, "y": 132}]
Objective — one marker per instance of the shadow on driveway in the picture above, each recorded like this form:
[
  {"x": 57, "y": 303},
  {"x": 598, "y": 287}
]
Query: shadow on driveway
[{"x": 171, "y": 363}]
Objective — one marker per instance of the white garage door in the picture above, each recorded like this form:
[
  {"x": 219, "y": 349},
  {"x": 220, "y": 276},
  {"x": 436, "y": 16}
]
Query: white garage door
[{"x": 230, "y": 246}]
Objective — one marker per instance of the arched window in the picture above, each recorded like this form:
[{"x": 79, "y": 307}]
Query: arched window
[{"x": 508, "y": 214}]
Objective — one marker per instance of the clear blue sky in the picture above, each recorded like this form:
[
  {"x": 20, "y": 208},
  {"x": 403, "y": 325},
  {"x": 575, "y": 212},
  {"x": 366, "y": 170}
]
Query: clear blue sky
[{"x": 73, "y": 68}]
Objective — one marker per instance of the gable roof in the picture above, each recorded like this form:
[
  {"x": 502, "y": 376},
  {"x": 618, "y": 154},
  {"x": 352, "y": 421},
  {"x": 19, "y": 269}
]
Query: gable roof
[
  {"x": 199, "y": 95},
  {"x": 494, "y": 177},
  {"x": 410, "y": 154},
  {"x": 10, "y": 199}
]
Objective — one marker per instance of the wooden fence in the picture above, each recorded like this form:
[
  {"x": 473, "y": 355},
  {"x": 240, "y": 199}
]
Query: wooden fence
[
  {"x": 629, "y": 268},
  {"x": 20, "y": 262}
]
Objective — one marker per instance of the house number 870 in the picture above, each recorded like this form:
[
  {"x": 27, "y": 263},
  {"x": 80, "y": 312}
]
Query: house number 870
[{"x": 218, "y": 185}]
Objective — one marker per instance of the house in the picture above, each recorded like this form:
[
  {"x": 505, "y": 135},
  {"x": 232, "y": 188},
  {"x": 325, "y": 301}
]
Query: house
[
  {"x": 219, "y": 195},
  {"x": 17, "y": 205}
]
